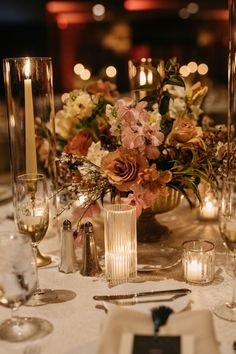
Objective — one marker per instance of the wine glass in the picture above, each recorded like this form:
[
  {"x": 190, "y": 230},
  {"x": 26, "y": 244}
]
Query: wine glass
[
  {"x": 32, "y": 217},
  {"x": 17, "y": 284},
  {"x": 227, "y": 225}
]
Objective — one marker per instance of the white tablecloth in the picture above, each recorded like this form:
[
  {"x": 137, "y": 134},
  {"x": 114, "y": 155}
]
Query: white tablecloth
[{"x": 77, "y": 322}]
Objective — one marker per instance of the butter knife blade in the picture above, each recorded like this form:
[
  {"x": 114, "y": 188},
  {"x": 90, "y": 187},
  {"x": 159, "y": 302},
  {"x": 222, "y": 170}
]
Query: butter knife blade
[{"x": 139, "y": 294}]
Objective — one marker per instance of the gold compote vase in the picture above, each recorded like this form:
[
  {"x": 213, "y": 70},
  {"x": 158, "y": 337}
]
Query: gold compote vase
[{"x": 148, "y": 228}]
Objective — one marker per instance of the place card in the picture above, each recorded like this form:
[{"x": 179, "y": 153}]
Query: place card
[{"x": 147, "y": 344}]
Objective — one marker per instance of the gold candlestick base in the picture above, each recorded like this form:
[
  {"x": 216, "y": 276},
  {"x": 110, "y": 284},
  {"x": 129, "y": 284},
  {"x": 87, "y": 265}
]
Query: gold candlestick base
[{"x": 42, "y": 260}]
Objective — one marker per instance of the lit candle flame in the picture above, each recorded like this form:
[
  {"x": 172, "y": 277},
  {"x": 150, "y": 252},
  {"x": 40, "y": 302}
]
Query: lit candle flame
[
  {"x": 27, "y": 68},
  {"x": 150, "y": 77},
  {"x": 142, "y": 77}
]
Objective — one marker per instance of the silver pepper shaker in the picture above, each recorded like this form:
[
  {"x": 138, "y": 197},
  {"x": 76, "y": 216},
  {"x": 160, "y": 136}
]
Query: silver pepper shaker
[
  {"x": 90, "y": 265},
  {"x": 68, "y": 259}
]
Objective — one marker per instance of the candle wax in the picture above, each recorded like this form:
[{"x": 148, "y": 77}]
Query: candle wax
[{"x": 194, "y": 270}]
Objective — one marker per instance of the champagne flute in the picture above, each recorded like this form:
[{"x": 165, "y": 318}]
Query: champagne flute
[
  {"x": 17, "y": 284},
  {"x": 227, "y": 225},
  {"x": 32, "y": 217}
]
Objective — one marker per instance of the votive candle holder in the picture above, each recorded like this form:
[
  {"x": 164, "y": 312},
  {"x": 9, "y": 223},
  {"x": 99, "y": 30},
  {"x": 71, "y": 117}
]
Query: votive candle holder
[{"x": 198, "y": 261}]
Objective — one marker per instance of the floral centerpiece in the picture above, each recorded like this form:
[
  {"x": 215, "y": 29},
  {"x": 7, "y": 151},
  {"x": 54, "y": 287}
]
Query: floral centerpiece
[{"x": 139, "y": 150}]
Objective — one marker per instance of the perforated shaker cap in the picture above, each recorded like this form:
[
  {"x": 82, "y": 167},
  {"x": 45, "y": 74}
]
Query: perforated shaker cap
[{"x": 66, "y": 225}]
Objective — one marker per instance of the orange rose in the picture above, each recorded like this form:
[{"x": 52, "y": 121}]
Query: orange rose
[
  {"x": 122, "y": 167},
  {"x": 185, "y": 132}
]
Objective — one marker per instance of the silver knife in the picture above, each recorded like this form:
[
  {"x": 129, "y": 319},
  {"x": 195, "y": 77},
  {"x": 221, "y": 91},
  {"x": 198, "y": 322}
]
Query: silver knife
[{"x": 139, "y": 294}]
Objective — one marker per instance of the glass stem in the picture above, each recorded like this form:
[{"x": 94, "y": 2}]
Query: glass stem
[
  {"x": 38, "y": 290},
  {"x": 233, "y": 303},
  {"x": 14, "y": 315}
]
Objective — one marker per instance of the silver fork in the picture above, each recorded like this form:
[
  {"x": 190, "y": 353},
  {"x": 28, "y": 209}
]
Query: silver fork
[
  {"x": 32, "y": 349},
  {"x": 136, "y": 300}
]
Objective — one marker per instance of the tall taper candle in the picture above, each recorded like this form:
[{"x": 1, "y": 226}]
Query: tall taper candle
[{"x": 30, "y": 146}]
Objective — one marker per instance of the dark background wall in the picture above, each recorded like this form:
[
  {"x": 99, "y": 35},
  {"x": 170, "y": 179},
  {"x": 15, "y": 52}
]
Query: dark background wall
[{"x": 30, "y": 28}]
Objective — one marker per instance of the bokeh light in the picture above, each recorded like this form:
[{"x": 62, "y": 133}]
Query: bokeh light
[
  {"x": 85, "y": 74},
  {"x": 184, "y": 71},
  {"x": 98, "y": 10},
  {"x": 111, "y": 71},
  {"x": 202, "y": 69},
  {"x": 78, "y": 68},
  {"x": 192, "y": 66}
]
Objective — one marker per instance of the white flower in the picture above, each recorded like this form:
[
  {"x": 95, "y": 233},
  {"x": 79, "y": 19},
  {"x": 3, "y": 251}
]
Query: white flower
[
  {"x": 79, "y": 104},
  {"x": 177, "y": 107},
  {"x": 114, "y": 121},
  {"x": 64, "y": 124},
  {"x": 195, "y": 111},
  {"x": 176, "y": 91},
  {"x": 155, "y": 117},
  {"x": 95, "y": 153}
]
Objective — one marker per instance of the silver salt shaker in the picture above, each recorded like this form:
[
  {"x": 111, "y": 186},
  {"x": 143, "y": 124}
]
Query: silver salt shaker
[
  {"x": 68, "y": 258},
  {"x": 90, "y": 264}
]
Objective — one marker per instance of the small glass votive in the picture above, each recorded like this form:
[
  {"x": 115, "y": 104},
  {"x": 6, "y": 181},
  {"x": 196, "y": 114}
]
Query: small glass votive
[
  {"x": 198, "y": 261},
  {"x": 120, "y": 243},
  {"x": 209, "y": 209}
]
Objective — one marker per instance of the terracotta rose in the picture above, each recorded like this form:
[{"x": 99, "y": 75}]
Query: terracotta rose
[
  {"x": 122, "y": 167},
  {"x": 185, "y": 132}
]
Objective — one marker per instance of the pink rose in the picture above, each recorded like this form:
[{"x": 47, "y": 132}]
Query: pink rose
[
  {"x": 79, "y": 144},
  {"x": 122, "y": 167},
  {"x": 185, "y": 132}
]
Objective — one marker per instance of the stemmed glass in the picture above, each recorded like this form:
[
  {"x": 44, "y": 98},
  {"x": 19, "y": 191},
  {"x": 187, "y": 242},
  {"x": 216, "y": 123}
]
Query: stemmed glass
[
  {"x": 17, "y": 284},
  {"x": 32, "y": 217},
  {"x": 227, "y": 225}
]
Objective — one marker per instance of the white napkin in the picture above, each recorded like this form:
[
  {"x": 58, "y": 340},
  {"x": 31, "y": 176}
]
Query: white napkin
[{"x": 196, "y": 323}]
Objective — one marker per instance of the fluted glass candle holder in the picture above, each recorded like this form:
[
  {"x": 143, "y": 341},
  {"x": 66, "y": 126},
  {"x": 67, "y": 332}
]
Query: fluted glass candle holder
[
  {"x": 120, "y": 243},
  {"x": 30, "y": 107}
]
